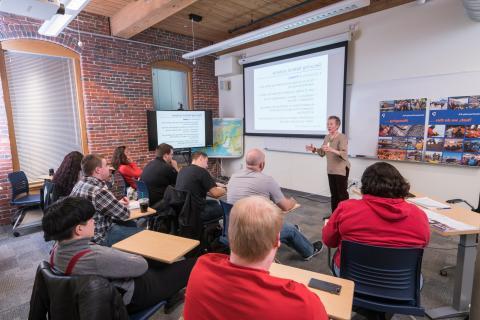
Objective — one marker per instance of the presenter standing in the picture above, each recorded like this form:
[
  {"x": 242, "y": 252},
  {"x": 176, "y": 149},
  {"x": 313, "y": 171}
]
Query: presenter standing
[{"x": 335, "y": 148}]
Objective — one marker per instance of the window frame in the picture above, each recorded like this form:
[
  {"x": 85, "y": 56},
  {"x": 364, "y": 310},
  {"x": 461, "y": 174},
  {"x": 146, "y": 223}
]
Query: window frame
[
  {"x": 43, "y": 48},
  {"x": 176, "y": 66}
]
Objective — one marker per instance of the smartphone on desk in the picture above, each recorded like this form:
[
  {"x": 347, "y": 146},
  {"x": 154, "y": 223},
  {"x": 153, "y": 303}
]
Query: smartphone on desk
[{"x": 325, "y": 286}]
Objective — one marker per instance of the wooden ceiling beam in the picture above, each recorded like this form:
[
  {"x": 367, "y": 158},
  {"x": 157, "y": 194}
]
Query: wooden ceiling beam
[{"x": 140, "y": 15}]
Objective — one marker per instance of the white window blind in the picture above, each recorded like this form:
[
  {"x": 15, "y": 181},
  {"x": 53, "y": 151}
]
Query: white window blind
[
  {"x": 169, "y": 89},
  {"x": 45, "y": 114}
]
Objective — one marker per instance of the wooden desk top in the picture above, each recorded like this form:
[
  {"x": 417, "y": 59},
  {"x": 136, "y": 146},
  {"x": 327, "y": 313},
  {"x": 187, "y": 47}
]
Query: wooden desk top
[
  {"x": 45, "y": 177},
  {"x": 157, "y": 246},
  {"x": 137, "y": 213},
  {"x": 337, "y": 306}
]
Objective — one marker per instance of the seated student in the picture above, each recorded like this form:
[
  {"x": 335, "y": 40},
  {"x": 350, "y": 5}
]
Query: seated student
[
  {"x": 68, "y": 174},
  {"x": 240, "y": 286},
  {"x": 196, "y": 179},
  {"x": 160, "y": 173},
  {"x": 69, "y": 221},
  {"x": 382, "y": 217},
  {"x": 129, "y": 170},
  {"x": 252, "y": 181},
  {"x": 109, "y": 212}
]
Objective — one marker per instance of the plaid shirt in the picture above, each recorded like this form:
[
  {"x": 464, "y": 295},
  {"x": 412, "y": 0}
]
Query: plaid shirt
[{"x": 107, "y": 207}]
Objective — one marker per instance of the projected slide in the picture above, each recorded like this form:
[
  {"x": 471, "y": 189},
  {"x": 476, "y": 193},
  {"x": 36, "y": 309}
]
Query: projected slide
[
  {"x": 292, "y": 94},
  {"x": 181, "y": 129}
]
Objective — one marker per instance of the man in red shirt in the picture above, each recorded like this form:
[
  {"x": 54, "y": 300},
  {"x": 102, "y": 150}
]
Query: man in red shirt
[
  {"x": 239, "y": 286},
  {"x": 381, "y": 218}
]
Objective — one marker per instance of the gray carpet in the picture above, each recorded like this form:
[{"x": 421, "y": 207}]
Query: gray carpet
[{"x": 19, "y": 258}]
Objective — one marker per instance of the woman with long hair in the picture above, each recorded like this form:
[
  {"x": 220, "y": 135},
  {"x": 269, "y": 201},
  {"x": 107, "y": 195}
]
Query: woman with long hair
[
  {"x": 67, "y": 174},
  {"x": 129, "y": 170}
]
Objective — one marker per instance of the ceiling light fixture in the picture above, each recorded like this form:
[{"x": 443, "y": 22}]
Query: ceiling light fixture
[
  {"x": 58, "y": 22},
  {"x": 290, "y": 24}
]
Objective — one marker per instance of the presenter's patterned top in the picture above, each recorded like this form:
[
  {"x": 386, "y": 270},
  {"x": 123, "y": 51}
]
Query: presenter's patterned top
[{"x": 336, "y": 164}]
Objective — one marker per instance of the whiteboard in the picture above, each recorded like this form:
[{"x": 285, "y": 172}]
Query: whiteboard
[{"x": 362, "y": 100}]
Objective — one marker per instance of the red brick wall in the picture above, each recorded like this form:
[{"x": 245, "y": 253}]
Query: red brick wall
[{"x": 117, "y": 85}]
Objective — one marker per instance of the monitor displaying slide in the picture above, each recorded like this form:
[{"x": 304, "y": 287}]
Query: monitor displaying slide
[
  {"x": 293, "y": 95},
  {"x": 181, "y": 129}
]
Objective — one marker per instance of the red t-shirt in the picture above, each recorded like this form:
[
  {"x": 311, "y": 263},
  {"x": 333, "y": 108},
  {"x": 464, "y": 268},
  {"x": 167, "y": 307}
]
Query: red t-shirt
[
  {"x": 377, "y": 221},
  {"x": 218, "y": 289}
]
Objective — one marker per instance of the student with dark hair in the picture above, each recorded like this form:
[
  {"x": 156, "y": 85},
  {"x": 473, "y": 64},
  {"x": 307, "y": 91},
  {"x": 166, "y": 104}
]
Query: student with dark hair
[
  {"x": 128, "y": 169},
  {"x": 68, "y": 174},
  {"x": 141, "y": 282},
  {"x": 382, "y": 217},
  {"x": 111, "y": 215},
  {"x": 196, "y": 179},
  {"x": 160, "y": 173},
  {"x": 334, "y": 147}
]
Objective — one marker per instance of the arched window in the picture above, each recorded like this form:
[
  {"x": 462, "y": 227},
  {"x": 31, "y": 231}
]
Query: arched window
[{"x": 172, "y": 86}]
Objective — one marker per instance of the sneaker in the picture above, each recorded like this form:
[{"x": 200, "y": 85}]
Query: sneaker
[
  {"x": 317, "y": 248},
  {"x": 297, "y": 227}
]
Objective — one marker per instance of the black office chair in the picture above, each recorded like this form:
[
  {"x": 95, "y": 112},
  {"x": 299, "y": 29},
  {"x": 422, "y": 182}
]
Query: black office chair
[
  {"x": 47, "y": 195},
  {"x": 21, "y": 197},
  {"x": 227, "y": 207},
  {"x": 387, "y": 280},
  {"x": 79, "y": 298}
]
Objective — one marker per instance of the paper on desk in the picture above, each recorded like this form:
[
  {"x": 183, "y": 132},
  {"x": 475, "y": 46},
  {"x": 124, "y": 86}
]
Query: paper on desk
[
  {"x": 295, "y": 207},
  {"x": 426, "y": 202},
  {"x": 134, "y": 204},
  {"x": 444, "y": 223}
]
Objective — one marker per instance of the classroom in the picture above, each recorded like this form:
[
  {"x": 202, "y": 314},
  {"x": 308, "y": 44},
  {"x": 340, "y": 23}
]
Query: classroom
[{"x": 222, "y": 159}]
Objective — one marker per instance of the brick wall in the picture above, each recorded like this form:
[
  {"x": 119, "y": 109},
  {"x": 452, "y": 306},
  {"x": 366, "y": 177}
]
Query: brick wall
[{"x": 117, "y": 85}]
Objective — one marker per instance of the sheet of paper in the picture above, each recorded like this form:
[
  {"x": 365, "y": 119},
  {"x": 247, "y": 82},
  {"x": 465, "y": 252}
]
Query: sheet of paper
[
  {"x": 133, "y": 204},
  {"x": 426, "y": 202},
  {"x": 295, "y": 207},
  {"x": 444, "y": 223}
]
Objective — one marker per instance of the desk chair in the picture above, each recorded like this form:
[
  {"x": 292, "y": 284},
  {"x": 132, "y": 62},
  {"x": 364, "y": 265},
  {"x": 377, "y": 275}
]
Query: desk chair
[
  {"x": 21, "y": 197},
  {"x": 226, "y": 216},
  {"x": 47, "y": 195},
  {"x": 387, "y": 280},
  {"x": 142, "y": 189},
  {"x": 78, "y": 298}
]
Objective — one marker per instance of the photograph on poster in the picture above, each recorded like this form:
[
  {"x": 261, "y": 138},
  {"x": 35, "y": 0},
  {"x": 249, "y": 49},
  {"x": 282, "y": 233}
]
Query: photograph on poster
[
  {"x": 436, "y": 130},
  {"x": 455, "y": 132},
  {"x": 414, "y": 155},
  {"x": 453, "y": 145},
  {"x": 432, "y": 156},
  {"x": 439, "y": 104},
  {"x": 391, "y": 154},
  {"x": 471, "y": 145},
  {"x": 472, "y": 160},
  {"x": 435, "y": 144},
  {"x": 452, "y": 157},
  {"x": 473, "y": 131}
]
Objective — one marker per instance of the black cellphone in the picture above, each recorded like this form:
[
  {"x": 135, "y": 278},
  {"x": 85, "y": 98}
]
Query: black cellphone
[{"x": 325, "y": 286}]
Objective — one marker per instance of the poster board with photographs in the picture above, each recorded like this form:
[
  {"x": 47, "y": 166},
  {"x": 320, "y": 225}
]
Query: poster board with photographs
[{"x": 446, "y": 130}]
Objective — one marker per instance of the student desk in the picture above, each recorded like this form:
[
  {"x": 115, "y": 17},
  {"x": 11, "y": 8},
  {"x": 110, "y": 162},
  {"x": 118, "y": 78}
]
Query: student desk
[
  {"x": 157, "y": 246},
  {"x": 337, "y": 306},
  {"x": 45, "y": 177},
  {"x": 467, "y": 249},
  {"x": 137, "y": 213}
]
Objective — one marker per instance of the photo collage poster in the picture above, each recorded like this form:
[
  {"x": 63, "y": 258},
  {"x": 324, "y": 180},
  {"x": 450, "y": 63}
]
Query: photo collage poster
[
  {"x": 451, "y": 136},
  {"x": 402, "y": 129}
]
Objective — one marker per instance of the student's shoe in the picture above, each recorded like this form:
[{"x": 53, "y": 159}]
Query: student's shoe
[
  {"x": 297, "y": 227},
  {"x": 317, "y": 248},
  {"x": 174, "y": 301}
]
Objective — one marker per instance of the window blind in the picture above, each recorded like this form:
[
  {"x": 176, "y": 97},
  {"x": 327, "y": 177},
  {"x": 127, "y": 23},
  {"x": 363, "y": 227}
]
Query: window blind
[
  {"x": 169, "y": 89},
  {"x": 45, "y": 114}
]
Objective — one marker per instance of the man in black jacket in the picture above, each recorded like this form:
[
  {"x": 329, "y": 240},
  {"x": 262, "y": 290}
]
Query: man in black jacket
[{"x": 160, "y": 173}]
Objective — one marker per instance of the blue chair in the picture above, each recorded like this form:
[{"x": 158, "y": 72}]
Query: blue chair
[
  {"x": 21, "y": 197},
  {"x": 387, "y": 280},
  {"x": 226, "y": 215},
  {"x": 147, "y": 313},
  {"x": 142, "y": 189}
]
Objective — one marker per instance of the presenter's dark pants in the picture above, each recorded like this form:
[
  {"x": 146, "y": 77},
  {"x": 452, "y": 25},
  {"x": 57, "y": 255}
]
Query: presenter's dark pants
[{"x": 338, "y": 188}]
